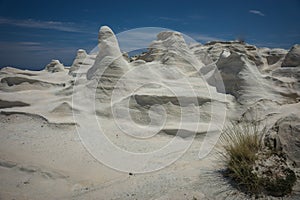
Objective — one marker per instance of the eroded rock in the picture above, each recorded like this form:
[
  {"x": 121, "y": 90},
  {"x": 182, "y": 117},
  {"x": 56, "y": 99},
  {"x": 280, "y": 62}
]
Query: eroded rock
[
  {"x": 292, "y": 59},
  {"x": 55, "y": 66}
]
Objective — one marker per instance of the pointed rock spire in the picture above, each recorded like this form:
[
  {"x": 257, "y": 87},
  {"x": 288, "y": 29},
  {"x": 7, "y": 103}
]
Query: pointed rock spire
[
  {"x": 55, "y": 66},
  {"x": 109, "y": 53}
]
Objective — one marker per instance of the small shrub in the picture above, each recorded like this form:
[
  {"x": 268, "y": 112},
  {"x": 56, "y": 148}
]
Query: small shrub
[
  {"x": 241, "y": 143},
  {"x": 254, "y": 168}
]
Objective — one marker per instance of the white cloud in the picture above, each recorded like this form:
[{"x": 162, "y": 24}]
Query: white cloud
[
  {"x": 139, "y": 38},
  {"x": 170, "y": 19},
  {"x": 31, "y": 23},
  {"x": 257, "y": 12},
  {"x": 29, "y": 43},
  {"x": 23, "y": 46},
  {"x": 203, "y": 37}
]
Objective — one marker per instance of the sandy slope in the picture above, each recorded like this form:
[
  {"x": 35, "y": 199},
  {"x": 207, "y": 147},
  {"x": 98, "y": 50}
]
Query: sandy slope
[
  {"x": 47, "y": 161},
  {"x": 39, "y": 160}
]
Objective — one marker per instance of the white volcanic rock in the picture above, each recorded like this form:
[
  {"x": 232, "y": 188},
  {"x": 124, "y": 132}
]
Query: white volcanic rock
[
  {"x": 214, "y": 49},
  {"x": 170, "y": 49},
  {"x": 230, "y": 64},
  {"x": 82, "y": 62},
  {"x": 166, "y": 42},
  {"x": 201, "y": 53},
  {"x": 240, "y": 74},
  {"x": 242, "y": 79},
  {"x": 138, "y": 62},
  {"x": 81, "y": 54},
  {"x": 292, "y": 59},
  {"x": 273, "y": 58},
  {"x": 109, "y": 55},
  {"x": 274, "y": 171},
  {"x": 265, "y": 59},
  {"x": 55, "y": 66},
  {"x": 209, "y": 71},
  {"x": 13, "y": 71},
  {"x": 79, "y": 60},
  {"x": 40, "y": 91},
  {"x": 172, "y": 61},
  {"x": 161, "y": 97},
  {"x": 288, "y": 78},
  {"x": 276, "y": 55},
  {"x": 285, "y": 135}
]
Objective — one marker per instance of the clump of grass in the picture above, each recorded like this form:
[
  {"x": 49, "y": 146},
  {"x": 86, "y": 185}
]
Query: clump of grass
[
  {"x": 241, "y": 143},
  {"x": 246, "y": 162}
]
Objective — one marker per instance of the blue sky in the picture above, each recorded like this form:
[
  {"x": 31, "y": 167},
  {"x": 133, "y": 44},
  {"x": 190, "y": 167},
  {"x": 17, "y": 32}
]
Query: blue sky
[{"x": 35, "y": 31}]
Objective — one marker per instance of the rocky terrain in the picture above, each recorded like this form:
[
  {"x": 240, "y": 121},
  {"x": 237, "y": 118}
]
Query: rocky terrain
[{"x": 109, "y": 127}]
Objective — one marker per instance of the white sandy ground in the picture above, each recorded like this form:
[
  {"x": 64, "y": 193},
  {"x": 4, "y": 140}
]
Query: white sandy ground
[{"x": 39, "y": 160}]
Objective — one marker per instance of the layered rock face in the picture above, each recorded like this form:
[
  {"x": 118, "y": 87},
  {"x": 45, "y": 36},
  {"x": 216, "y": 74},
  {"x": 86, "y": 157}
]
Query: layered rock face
[
  {"x": 54, "y": 66},
  {"x": 201, "y": 84},
  {"x": 265, "y": 83},
  {"x": 293, "y": 57},
  {"x": 157, "y": 89},
  {"x": 81, "y": 63}
]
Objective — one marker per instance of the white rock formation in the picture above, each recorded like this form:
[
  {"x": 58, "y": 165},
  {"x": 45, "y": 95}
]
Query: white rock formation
[
  {"x": 252, "y": 75},
  {"x": 82, "y": 62},
  {"x": 242, "y": 78},
  {"x": 109, "y": 55},
  {"x": 55, "y": 66},
  {"x": 292, "y": 58}
]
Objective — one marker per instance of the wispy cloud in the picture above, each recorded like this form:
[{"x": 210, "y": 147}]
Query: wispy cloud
[
  {"x": 139, "y": 38},
  {"x": 23, "y": 46},
  {"x": 172, "y": 19},
  {"x": 257, "y": 12},
  {"x": 284, "y": 45},
  {"x": 29, "y": 43},
  {"x": 203, "y": 37},
  {"x": 31, "y": 23},
  {"x": 184, "y": 20},
  {"x": 33, "y": 55}
]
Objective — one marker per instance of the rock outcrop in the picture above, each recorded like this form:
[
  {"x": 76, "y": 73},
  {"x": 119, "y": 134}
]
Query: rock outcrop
[
  {"x": 274, "y": 174},
  {"x": 292, "y": 58},
  {"x": 285, "y": 136},
  {"x": 55, "y": 66},
  {"x": 109, "y": 55},
  {"x": 82, "y": 62}
]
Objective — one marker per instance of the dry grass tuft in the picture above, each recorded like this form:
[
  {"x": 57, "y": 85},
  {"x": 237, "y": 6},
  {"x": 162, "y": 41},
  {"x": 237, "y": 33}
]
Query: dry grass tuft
[{"x": 241, "y": 143}]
